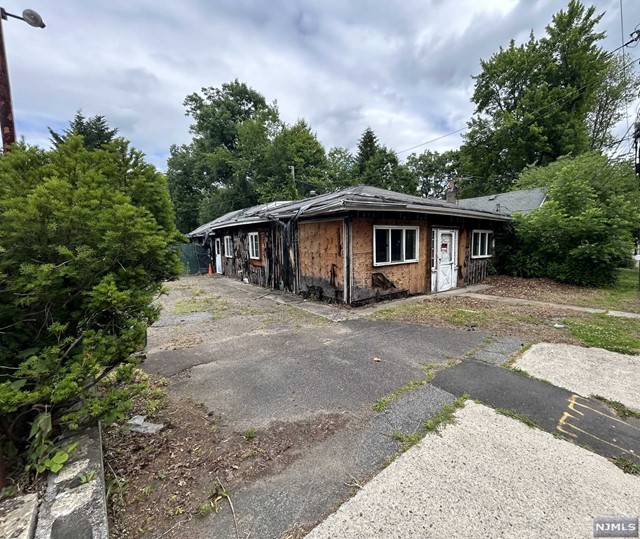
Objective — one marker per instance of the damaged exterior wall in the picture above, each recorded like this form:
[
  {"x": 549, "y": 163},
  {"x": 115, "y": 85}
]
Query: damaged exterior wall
[
  {"x": 333, "y": 260},
  {"x": 371, "y": 282},
  {"x": 321, "y": 259},
  {"x": 239, "y": 265}
]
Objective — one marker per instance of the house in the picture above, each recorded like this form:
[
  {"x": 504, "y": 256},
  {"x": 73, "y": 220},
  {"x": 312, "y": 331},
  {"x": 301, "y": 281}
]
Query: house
[
  {"x": 522, "y": 201},
  {"x": 354, "y": 246}
]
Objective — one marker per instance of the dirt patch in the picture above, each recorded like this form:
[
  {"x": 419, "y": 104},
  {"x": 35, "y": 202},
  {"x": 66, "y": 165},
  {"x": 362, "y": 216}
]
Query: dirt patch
[
  {"x": 159, "y": 483},
  {"x": 536, "y": 289},
  {"x": 619, "y": 298},
  {"x": 196, "y": 306},
  {"x": 532, "y": 322}
]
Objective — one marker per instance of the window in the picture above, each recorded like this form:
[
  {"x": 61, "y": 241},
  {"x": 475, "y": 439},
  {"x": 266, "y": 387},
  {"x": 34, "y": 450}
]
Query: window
[
  {"x": 254, "y": 246},
  {"x": 228, "y": 247},
  {"x": 482, "y": 244},
  {"x": 394, "y": 245}
]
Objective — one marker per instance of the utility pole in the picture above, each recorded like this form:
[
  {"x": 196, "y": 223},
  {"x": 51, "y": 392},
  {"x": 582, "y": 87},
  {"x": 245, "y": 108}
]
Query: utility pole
[{"x": 6, "y": 107}]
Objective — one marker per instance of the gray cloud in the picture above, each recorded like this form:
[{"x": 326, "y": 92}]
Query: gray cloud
[{"x": 403, "y": 68}]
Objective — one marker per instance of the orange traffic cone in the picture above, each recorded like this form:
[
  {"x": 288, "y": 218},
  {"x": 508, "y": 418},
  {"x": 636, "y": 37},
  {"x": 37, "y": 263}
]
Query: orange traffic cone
[{"x": 210, "y": 272}]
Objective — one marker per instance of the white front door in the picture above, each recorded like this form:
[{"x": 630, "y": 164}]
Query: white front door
[
  {"x": 218, "y": 254},
  {"x": 446, "y": 259}
]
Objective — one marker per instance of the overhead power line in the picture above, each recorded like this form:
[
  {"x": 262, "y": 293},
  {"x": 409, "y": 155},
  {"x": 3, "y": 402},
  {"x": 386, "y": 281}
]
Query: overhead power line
[{"x": 635, "y": 38}]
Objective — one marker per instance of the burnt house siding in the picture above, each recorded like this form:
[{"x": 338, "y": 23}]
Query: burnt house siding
[
  {"x": 240, "y": 266},
  {"x": 321, "y": 259},
  {"x": 372, "y": 283}
]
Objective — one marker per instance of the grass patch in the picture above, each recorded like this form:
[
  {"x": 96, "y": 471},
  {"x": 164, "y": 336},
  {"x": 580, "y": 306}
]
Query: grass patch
[
  {"x": 531, "y": 423},
  {"x": 250, "y": 434},
  {"x": 510, "y": 363},
  {"x": 626, "y": 465},
  {"x": 434, "y": 424},
  {"x": 382, "y": 404},
  {"x": 208, "y": 304},
  {"x": 465, "y": 313},
  {"x": 609, "y": 332},
  {"x": 623, "y": 296},
  {"x": 620, "y": 409}
]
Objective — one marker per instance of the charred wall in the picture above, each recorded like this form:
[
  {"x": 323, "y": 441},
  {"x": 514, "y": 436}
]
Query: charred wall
[
  {"x": 371, "y": 282},
  {"x": 321, "y": 259}
]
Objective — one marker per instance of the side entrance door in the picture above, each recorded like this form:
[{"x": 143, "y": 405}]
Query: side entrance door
[
  {"x": 218, "y": 253},
  {"x": 446, "y": 258}
]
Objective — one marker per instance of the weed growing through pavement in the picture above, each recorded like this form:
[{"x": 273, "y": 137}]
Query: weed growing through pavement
[
  {"x": 626, "y": 465},
  {"x": 446, "y": 416},
  {"x": 620, "y": 409},
  {"x": 531, "y": 423}
]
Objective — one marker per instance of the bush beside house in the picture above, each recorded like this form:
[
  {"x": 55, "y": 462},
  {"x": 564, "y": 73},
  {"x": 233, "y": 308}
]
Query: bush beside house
[
  {"x": 86, "y": 239},
  {"x": 583, "y": 232}
]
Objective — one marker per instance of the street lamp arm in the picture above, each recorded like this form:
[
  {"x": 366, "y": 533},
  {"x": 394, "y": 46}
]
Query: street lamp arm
[
  {"x": 29, "y": 16},
  {"x": 6, "y": 108}
]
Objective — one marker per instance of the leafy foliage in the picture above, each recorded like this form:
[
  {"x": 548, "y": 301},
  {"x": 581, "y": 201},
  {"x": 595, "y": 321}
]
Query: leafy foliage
[
  {"x": 434, "y": 171},
  {"x": 585, "y": 229},
  {"x": 95, "y": 131},
  {"x": 86, "y": 239},
  {"x": 378, "y": 166},
  {"x": 538, "y": 101}
]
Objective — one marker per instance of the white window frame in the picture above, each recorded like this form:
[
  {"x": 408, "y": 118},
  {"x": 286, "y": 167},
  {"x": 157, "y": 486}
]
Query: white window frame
[
  {"x": 489, "y": 243},
  {"x": 404, "y": 235},
  {"x": 254, "y": 250},
  {"x": 228, "y": 247}
]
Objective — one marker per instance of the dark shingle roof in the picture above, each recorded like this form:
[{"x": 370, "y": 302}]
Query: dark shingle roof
[
  {"x": 522, "y": 201},
  {"x": 362, "y": 197}
]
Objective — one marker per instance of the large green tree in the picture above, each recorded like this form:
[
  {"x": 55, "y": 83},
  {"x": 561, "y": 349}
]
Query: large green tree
[
  {"x": 241, "y": 154},
  {"x": 434, "y": 171},
  {"x": 95, "y": 131},
  {"x": 86, "y": 239},
  {"x": 340, "y": 168},
  {"x": 294, "y": 165},
  {"x": 209, "y": 176},
  {"x": 541, "y": 100},
  {"x": 378, "y": 166}
]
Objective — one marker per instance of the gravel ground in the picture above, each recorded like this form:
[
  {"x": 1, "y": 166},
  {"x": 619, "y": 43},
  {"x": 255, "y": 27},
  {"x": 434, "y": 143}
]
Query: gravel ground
[
  {"x": 487, "y": 476},
  {"x": 586, "y": 371}
]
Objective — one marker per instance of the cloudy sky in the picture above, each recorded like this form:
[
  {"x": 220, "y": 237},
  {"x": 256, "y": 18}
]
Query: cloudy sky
[{"x": 404, "y": 67}]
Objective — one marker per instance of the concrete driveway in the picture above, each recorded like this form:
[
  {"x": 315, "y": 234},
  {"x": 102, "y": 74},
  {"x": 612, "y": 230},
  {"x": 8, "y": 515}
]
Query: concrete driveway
[
  {"x": 255, "y": 361},
  {"x": 263, "y": 361}
]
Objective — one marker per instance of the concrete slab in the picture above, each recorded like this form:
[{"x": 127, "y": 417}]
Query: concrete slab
[
  {"x": 587, "y": 371},
  {"x": 554, "y": 409},
  {"x": 487, "y": 476},
  {"x": 293, "y": 374},
  {"x": 18, "y": 517}
]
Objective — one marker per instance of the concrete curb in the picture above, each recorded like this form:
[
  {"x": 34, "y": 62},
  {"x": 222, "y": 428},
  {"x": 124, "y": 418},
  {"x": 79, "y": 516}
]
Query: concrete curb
[{"x": 74, "y": 504}]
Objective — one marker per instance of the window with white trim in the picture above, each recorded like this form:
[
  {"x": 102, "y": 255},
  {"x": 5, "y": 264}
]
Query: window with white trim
[
  {"x": 228, "y": 247},
  {"x": 395, "y": 245},
  {"x": 482, "y": 244},
  {"x": 254, "y": 246}
]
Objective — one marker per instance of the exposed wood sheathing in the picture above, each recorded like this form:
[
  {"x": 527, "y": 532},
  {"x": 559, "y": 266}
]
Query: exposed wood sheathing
[
  {"x": 408, "y": 278},
  {"x": 321, "y": 259}
]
